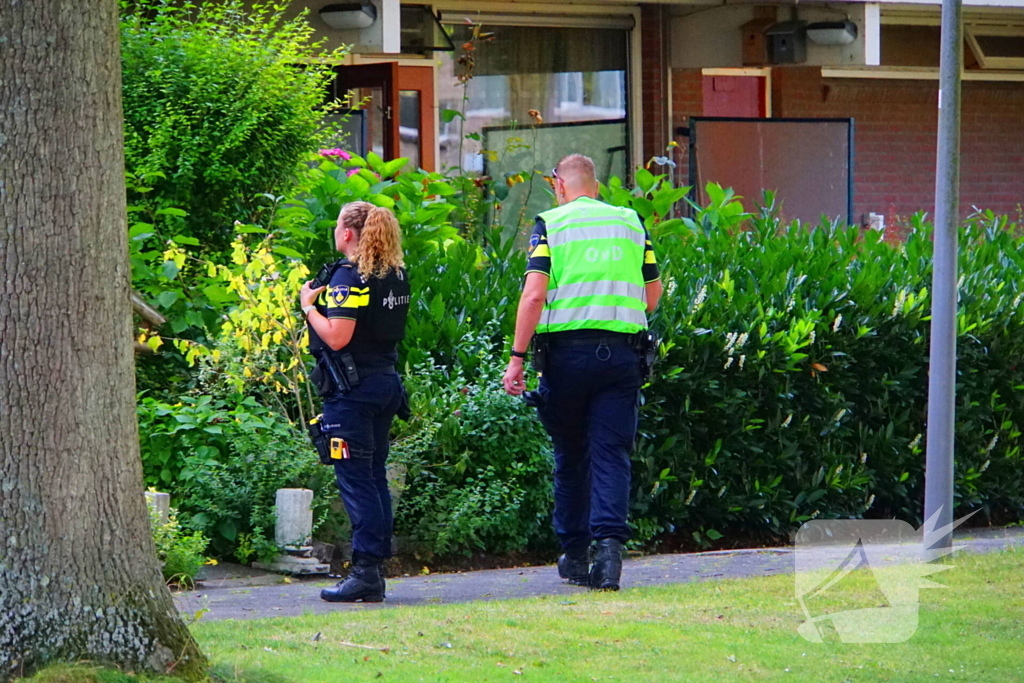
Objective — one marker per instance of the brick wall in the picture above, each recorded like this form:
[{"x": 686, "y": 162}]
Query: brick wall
[
  {"x": 895, "y": 127},
  {"x": 653, "y": 23},
  {"x": 687, "y": 101}
]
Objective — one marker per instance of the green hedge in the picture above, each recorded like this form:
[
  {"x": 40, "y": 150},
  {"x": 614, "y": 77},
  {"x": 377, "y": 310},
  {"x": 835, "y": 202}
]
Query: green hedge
[{"x": 793, "y": 382}]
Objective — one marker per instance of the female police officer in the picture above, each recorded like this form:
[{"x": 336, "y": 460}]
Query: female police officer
[{"x": 354, "y": 328}]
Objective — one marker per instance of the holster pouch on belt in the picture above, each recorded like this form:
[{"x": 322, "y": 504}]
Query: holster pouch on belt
[
  {"x": 321, "y": 442},
  {"x": 646, "y": 343},
  {"x": 540, "y": 345},
  {"x": 334, "y": 375}
]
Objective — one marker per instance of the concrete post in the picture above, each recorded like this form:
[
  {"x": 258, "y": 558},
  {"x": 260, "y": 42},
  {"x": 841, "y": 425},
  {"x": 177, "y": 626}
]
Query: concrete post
[
  {"x": 161, "y": 502},
  {"x": 293, "y": 533},
  {"x": 294, "y": 519}
]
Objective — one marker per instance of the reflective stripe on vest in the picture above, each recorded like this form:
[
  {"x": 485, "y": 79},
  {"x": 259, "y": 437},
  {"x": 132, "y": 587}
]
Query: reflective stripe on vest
[{"x": 597, "y": 254}]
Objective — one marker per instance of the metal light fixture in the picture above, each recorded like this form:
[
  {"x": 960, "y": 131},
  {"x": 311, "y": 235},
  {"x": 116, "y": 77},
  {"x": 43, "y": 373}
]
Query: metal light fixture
[
  {"x": 349, "y": 15},
  {"x": 832, "y": 32}
]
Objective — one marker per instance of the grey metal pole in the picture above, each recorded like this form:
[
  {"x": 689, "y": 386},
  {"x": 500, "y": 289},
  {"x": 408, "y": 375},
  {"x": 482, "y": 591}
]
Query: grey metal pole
[{"x": 938, "y": 487}]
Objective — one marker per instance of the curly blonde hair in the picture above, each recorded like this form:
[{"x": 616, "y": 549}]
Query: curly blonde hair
[{"x": 380, "y": 244}]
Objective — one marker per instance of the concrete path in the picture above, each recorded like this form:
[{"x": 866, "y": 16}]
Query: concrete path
[{"x": 244, "y": 593}]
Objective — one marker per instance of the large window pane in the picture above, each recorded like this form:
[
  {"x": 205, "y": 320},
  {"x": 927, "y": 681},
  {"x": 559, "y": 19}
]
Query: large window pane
[{"x": 569, "y": 75}]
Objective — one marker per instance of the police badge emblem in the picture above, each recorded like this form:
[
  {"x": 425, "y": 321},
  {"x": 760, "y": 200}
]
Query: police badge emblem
[{"x": 339, "y": 295}]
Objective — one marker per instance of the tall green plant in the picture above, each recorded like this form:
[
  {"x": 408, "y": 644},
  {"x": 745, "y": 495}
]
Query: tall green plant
[{"x": 217, "y": 109}]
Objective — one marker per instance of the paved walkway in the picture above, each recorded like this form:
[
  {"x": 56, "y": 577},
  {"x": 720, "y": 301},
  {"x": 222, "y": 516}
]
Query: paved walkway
[{"x": 244, "y": 593}]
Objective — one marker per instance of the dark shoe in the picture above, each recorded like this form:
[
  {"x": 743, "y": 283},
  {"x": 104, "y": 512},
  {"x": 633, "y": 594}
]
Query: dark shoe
[
  {"x": 607, "y": 569},
  {"x": 575, "y": 568},
  {"x": 363, "y": 583}
]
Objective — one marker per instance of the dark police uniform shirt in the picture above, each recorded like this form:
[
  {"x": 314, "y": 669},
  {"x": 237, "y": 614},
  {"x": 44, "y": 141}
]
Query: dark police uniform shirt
[
  {"x": 540, "y": 262},
  {"x": 379, "y": 306}
]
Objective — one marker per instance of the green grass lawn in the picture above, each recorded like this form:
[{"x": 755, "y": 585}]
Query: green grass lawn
[{"x": 722, "y": 630}]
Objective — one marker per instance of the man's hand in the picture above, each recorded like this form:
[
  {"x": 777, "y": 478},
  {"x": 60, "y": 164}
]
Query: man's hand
[
  {"x": 513, "y": 380},
  {"x": 308, "y": 295}
]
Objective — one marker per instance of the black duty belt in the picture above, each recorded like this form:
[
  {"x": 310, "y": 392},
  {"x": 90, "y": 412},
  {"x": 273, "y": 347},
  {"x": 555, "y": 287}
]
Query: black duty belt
[
  {"x": 608, "y": 340},
  {"x": 384, "y": 370}
]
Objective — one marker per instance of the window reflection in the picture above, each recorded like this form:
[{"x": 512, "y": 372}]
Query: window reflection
[{"x": 567, "y": 74}]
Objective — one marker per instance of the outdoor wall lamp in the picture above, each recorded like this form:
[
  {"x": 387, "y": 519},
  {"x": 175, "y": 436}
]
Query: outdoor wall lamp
[
  {"x": 349, "y": 15},
  {"x": 832, "y": 32}
]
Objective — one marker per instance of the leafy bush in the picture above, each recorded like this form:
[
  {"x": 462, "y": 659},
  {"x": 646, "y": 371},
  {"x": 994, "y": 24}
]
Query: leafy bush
[
  {"x": 180, "y": 553},
  {"x": 477, "y": 461},
  {"x": 225, "y": 460},
  {"x": 215, "y": 111},
  {"x": 793, "y": 381}
]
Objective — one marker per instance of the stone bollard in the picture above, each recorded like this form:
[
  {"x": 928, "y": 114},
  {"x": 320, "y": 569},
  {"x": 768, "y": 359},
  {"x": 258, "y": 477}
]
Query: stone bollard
[
  {"x": 294, "y": 519},
  {"x": 293, "y": 535},
  {"x": 161, "y": 502}
]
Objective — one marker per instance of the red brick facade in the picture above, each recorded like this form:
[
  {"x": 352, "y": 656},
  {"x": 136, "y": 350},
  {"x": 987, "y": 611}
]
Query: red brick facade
[
  {"x": 894, "y": 135},
  {"x": 895, "y": 129},
  {"x": 653, "y": 26}
]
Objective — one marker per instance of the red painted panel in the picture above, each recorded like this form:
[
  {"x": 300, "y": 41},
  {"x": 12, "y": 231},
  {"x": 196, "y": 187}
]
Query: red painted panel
[{"x": 736, "y": 96}]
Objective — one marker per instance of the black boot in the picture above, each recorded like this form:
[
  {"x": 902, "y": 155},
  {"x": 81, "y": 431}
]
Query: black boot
[
  {"x": 575, "y": 567},
  {"x": 362, "y": 583},
  {"x": 607, "y": 569}
]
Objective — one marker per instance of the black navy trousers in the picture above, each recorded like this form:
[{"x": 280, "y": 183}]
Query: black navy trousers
[
  {"x": 363, "y": 418},
  {"x": 591, "y": 393}
]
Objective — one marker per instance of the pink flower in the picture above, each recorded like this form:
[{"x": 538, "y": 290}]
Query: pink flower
[{"x": 335, "y": 152}]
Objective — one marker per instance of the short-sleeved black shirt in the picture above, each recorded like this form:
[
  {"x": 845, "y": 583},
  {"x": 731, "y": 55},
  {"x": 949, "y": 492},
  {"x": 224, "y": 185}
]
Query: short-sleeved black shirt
[{"x": 379, "y": 306}]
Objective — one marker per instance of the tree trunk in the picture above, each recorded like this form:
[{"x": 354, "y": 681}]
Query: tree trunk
[{"x": 79, "y": 578}]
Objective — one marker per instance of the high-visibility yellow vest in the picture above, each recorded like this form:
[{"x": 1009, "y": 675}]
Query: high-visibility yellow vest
[{"x": 597, "y": 256}]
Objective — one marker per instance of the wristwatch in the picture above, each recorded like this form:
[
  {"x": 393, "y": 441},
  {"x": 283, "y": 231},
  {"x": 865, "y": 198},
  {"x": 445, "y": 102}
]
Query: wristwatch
[
  {"x": 518, "y": 354},
  {"x": 307, "y": 309}
]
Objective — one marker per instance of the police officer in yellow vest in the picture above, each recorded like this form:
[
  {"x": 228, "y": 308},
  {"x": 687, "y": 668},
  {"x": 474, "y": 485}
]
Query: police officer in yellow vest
[{"x": 591, "y": 281}]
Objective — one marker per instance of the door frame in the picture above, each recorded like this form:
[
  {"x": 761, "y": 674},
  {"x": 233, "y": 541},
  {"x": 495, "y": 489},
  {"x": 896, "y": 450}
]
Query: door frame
[{"x": 383, "y": 75}]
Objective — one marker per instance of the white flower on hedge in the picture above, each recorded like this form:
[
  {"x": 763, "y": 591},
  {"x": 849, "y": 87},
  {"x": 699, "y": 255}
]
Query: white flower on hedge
[
  {"x": 730, "y": 341},
  {"x": 812, "y": 336},
  {"x": 1016, "y": 302},
  {"x": 913, "y": 444},
  {"x": 985, "y": 466},
  {"x": 789, "y": 418},
  {"x": 992, "y": 444},
  {"x": 838, "y": 321},
  {"x": 699, "y": 301},
  {"x": 689, "y": 498},
  {"x": 870, "y": 501},
  {"x": 741, "y": 340},
  {"x": 863, "y": 458},
  {"x": 728, "y": 362},
  {"x": 901, "y": 299},
  {"x": 743, "y": 359}
]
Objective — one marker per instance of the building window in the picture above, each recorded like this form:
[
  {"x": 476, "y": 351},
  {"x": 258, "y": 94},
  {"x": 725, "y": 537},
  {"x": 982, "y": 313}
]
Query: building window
[{"x": 575, "y": 78}]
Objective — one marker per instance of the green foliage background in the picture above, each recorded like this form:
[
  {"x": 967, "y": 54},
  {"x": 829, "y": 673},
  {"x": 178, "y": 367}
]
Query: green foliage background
[
  {"x": 792, "y": 379},
  {"x": 216, "y": 112}
]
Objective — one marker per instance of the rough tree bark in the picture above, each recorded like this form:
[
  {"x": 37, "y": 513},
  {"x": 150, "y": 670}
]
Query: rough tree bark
[{"x": 79, "y": 577}]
